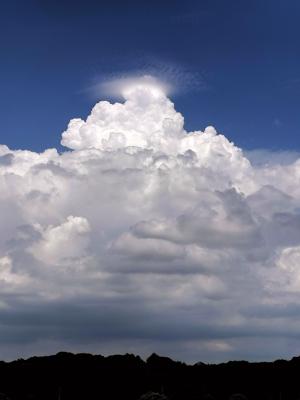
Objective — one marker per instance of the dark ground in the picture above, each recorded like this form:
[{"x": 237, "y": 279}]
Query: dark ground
[{"x": 66, "y": 376}]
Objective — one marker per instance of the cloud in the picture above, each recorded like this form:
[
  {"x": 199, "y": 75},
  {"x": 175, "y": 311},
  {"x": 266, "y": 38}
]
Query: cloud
[
  {"x": 63, "y": 243},
  {"x": 174, "y": 78},
  {"x": 144, "y": 237},
  {"x": 123, "y": 86}
]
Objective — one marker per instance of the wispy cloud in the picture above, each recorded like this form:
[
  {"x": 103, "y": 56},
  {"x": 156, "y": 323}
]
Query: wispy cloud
[{"x": 179, "y": 79}]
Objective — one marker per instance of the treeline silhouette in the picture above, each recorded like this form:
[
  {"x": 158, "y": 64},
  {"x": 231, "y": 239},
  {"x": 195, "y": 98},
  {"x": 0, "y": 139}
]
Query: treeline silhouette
[{"x": 67, "y": 376}]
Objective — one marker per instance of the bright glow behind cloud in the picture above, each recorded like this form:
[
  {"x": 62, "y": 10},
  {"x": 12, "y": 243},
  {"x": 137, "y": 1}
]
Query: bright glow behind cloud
[
  {"x": 145, "y": 237},
  {"x": 122, "y": 87}
]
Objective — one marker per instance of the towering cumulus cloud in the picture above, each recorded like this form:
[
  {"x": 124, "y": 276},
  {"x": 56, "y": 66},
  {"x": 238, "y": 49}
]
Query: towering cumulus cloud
[{"x": 143, "y": 237}]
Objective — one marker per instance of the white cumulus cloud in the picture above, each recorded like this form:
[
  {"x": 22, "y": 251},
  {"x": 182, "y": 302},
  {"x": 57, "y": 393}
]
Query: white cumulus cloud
[{"x": 144, "y": 236}]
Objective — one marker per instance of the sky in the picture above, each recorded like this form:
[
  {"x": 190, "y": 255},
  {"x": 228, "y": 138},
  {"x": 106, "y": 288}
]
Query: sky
[
  {"x": 149, "y": 179},
  {"x": 235, "y": 64}
]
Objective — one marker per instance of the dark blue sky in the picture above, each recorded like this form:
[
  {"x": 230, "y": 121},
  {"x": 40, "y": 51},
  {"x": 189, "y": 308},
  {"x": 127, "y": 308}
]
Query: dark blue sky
[{"x": 236, "y": 64}]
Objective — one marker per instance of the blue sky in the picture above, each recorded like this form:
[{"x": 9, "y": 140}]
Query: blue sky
[{"x": 236, "y": 65}]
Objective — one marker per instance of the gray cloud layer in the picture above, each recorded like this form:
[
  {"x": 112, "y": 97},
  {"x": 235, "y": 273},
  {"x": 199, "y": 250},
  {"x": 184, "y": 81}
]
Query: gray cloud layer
[{"x": 144, "y": 237}]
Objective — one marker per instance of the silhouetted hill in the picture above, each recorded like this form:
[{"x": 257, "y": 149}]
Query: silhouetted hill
[{"x": 67, "y": 376}]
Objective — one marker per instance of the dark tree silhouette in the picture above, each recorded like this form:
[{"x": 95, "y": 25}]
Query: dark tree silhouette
[
  {"x": 237, "y": 396},
  {"x": 67, "y": 376},
  {"x": 153, "y": 396},
  {"x": 3, "y": 396}
]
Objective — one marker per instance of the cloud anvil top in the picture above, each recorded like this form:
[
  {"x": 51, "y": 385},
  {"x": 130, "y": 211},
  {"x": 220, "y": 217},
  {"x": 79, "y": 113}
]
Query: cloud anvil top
[{"x": 144, "y": 222}]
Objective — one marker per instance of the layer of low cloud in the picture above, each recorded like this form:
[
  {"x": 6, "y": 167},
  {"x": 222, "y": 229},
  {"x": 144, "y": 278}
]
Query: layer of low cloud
[{"x": 143, "y": 237}]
